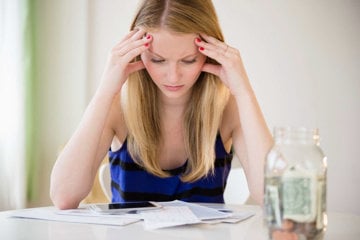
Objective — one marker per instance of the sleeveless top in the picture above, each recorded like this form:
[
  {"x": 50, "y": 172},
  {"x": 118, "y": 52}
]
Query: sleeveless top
[{"x": 131, "y": 182}]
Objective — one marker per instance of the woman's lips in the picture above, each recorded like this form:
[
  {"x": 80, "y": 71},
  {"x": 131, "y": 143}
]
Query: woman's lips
[{"x": 173, "y": 88}]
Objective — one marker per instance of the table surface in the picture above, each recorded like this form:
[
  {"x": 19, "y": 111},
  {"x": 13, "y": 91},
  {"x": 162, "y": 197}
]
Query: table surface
[{"x": 340, "y": 226}]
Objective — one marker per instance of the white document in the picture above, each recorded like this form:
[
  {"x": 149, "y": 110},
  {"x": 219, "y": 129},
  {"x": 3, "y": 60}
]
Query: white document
[
  {"x": 201, "y": 212},
  {"x": 235, "y": 218},
  {"x": 169, "y": 217},
  {"x": 80, "y": 215},
  {"x": 178, "y": 213},
  {"x": 171, "y": 214}
]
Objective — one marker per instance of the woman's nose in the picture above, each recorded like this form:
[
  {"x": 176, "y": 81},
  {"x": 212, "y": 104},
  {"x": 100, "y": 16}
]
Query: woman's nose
[{"x": 173, "y": 73}]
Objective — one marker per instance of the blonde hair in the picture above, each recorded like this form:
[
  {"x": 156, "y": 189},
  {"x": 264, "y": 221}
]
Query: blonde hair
[{"x": 208, "y": 98}]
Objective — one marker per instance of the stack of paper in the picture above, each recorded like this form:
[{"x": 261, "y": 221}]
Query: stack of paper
[
  {"x": 171, "y": 214},
  {"x": 80, "y": 215},
  {"x": 177, "y": 213},
  {"x": 169, "y": 217}
]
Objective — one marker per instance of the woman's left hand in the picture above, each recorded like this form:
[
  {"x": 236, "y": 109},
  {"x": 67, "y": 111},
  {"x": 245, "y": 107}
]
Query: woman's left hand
[{"x": 231, "y": 69}]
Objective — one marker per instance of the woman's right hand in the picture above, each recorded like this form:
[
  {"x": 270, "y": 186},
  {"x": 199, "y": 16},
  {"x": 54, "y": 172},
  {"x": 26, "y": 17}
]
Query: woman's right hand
[{"x": 119, "y": 65}]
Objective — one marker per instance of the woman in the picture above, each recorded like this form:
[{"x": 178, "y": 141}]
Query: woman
[{"x": 171, "y": 91}]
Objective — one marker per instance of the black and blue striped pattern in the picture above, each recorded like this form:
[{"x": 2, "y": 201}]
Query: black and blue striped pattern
[{"x": 130, "y": 182}]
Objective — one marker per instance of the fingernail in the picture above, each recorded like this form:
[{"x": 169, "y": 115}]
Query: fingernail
[
  {"x": 201, "y": 48},
  {"x": 146, "y": 44},
  {"x": 198, "y": 40},
  {"x": 148, "y": 36}
]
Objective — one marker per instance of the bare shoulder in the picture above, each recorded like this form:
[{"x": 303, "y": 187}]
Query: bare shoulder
[{"x": 230, "y": 121}]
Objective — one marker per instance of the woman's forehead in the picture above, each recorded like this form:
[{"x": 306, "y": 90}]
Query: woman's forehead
[{"x": 166, "y": 43}]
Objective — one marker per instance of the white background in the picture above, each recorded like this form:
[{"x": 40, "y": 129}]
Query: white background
[{"x": 303, "y": 59}]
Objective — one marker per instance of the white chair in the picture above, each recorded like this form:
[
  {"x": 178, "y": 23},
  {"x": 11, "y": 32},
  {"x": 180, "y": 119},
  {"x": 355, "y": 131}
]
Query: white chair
[
  {"x": 105, "y": 180},
  {"x": 236, "y": 191}
]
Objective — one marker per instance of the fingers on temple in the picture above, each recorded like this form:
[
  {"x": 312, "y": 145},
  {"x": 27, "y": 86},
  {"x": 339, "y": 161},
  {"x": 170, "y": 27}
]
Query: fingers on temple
[
  {"x": 215, "y": 42},
  {"x": 133, "y": 46},
  {"x": 133, "y": 36},
  {"x": 212, "y": 47}
]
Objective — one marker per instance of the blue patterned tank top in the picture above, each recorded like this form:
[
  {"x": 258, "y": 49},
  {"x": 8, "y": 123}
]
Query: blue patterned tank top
[{"x": 131, "y": 182}]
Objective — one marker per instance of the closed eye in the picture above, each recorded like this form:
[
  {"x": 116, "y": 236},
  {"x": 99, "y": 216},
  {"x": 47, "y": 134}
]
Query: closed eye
[
  {"x": 189, "y": 61},
  {"x": 157, "y": 60}
]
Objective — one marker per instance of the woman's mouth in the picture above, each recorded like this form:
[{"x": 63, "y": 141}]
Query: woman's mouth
[{"x": 173, "y": 88}]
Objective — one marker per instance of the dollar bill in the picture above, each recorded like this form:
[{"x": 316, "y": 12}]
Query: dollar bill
[
  {"x": 299, "y": 195},
  {"x": 273, "y": 204}
]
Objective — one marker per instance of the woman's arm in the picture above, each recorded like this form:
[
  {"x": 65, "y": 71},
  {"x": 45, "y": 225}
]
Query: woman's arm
[
  {"x": 75, "y": 169},
  {"x": 251, "y": 137},
  {"x": 252, "y": 141}
]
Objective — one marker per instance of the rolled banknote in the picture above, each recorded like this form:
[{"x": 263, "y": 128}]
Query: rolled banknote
[{"x": 274, "y": 204}]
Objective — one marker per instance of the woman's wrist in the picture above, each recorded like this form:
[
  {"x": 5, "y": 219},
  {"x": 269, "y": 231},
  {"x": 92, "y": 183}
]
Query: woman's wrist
[
  {"x": 107, "y": 89},
  {"x": 244, "y": 91}
]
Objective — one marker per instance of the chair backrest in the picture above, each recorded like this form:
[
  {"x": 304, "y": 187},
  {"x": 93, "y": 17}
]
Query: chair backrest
[
  {"x": 236, "y": 191},
  {"x": 105, "y": 180}
]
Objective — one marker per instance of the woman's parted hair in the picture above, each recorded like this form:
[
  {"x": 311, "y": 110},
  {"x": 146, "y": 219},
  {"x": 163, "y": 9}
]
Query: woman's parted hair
[{"x": 209, "y": 95}]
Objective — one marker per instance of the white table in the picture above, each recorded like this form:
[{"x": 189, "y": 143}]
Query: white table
[{"x": 340, "y": 226}]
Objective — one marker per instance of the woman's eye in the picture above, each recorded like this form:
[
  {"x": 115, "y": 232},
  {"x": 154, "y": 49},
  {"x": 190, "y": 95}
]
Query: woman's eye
[
  {"x": 157, "y": 60},
  {"x": 189, "y": 61}
]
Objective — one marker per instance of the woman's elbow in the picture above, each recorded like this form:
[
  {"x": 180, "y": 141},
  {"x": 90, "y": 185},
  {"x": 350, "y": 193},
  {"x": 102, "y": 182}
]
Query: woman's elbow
[
  {"x": 257, "y": 198},
  {"x": 63, "y": 201},
  {"x": 256, "y": 193}
]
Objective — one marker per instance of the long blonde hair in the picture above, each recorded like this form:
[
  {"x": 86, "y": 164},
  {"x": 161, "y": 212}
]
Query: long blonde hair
[{"x": 208, "y": 98}]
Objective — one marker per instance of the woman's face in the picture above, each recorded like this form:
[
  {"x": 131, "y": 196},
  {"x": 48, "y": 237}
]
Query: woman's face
[{"x": 173, "y": 62}]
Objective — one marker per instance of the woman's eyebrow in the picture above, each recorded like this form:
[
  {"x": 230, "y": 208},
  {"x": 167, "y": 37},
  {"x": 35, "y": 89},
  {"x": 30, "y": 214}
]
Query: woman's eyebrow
[
  {"x": 187, "y": 56},
  {"x": 158, "y": 55}
]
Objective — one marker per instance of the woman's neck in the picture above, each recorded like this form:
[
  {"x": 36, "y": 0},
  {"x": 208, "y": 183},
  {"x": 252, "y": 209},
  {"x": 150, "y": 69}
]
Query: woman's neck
[{"x": 174, "y": 107}]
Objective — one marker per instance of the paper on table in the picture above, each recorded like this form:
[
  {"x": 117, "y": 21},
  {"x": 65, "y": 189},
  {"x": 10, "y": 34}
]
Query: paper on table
[
  {"x": 169, "y": 217},
  {"x": 177, "y": 213},
  {"x": 80, "y": 215},
  {"x": 235, "y": 218},
  {"x": 201, "y": 212},
  {"x": 173, "y": 213}
]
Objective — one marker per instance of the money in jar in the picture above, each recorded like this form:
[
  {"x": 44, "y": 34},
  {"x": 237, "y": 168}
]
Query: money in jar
[{"x": 295, "y": 185}]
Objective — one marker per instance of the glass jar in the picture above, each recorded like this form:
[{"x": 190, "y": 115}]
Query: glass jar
[{"x": 295, "y": 185}]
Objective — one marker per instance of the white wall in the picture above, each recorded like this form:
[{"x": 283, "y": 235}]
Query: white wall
[
  {"x": 303, "y": 58},
  {"x": 61, "y": 49}
]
